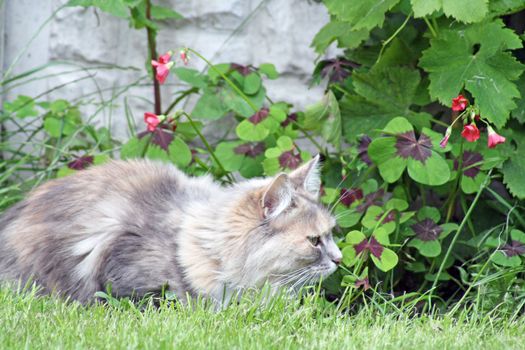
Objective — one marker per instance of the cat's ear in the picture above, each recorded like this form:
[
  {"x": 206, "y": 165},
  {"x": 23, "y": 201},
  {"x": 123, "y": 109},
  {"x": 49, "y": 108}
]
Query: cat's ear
[
  {"x": 308, "y": 176},
  {"x": 277, "y": 196}
]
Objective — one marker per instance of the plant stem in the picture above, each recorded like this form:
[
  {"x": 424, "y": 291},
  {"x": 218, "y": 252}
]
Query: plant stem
[
  {"x": 231, "y": 83},
  {"x": 432, "y": 30},
  {"x": 152, "y": 45},
  {"x": 456, "y": 235},
  {"x": 392, "y": 37},
  {"x": 208, "y": 147},
  {"x": 180, "y": 98}
]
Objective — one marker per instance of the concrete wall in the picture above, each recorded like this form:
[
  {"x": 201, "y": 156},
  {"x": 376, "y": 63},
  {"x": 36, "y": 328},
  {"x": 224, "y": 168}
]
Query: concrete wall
[{"x": 246, "y": 32}]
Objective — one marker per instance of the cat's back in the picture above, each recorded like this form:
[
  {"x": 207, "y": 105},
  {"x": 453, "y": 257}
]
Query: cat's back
[{"x": 73, "y": 221}]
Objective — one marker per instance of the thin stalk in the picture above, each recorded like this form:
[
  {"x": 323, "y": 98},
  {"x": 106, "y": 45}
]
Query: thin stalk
[
  {"x": 208, "y": 147},
  {"x": 432, "y": 30},
  {"x": 232, "y": 85},
  {"x": 152, "y": 45},
  {"x": 180, "y": 98},
  {"x": 392, "y": 37},
  {"x": 460, "y": 228}
]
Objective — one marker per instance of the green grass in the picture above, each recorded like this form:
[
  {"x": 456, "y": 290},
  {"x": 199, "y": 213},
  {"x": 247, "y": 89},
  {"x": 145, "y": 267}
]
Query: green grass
[{"x": 31, "y": 322}]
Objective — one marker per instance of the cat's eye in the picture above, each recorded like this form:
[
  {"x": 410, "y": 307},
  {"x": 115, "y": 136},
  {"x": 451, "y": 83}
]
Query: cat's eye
[{"x": 314, "y": 240}]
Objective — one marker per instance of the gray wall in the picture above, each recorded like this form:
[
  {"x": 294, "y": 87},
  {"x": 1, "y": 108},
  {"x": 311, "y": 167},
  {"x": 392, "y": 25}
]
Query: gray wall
[{"x": 250, "y": 31}]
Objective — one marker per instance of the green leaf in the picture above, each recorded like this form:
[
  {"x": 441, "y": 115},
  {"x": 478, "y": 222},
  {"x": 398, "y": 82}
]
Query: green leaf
[
  {"x": 519, "y": 112},
  {"x": 134, "y": 148},
  {"x": 116, "y": 8},
  {"x": 466, "y": 11},
  {"x": 22, "y": 107},
  {"x": 387, "y": 261},
  {"x": 252, "y": 83},
  {"x": 501, "y": 259},
  {"x": 363, "y": 14},
  {"x": 513, "y": 170},
  {"x": 340, "y": 31},
  {"x": 434, "y": 171},
  {"x": 159, "y": 12},
  {"x": 209, "y": 106},
  {"x": 486, "y": 74},
  {"x": 424, "y": 8},
  {"x": 346, "y": 217},
  {"x": 382, "y": 152},
  {"x": 190, "y": 76},
  {"x": 248, "y": 131},
  {"x": 269, "y": 70},
  {"x": 56, "y": 127},
  {"x": 156, "y": 153},
  {"x": 517, "y": 235},
  {"x": 179, "y": 152},
  {"x": 227, "y": 156},
  {"x": 326, "y": 116},
  {"x": 382, "y": 94},
  {"x": 429, "y": 249}
]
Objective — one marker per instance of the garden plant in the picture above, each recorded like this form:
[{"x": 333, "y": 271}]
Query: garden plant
[{"x": 422, "y": 131}]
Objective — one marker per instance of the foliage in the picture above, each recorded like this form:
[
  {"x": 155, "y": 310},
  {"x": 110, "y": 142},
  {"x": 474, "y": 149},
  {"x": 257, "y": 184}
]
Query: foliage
[{"x": 422, "y": 207}]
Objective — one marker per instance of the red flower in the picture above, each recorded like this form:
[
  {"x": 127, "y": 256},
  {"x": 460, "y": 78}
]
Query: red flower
[
  {"x": 184, "y": 56},
  {"x": 152, "y": 120},
  {"x": 444, "y": 140},
  {"x": 470, "y": 132},
  {"x": 162, "y": 67},
  {"x": 494, "y": 138},
  {"x": 459, "y": 103}
]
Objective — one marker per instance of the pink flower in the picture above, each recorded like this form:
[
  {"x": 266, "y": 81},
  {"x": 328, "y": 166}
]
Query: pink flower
[
  {"x": 470, "y": 132},
  {"x": 444, "y": 140},
  {"x": 162, "y": 67},
  {"x": 494, "y": 138},
  {"x": 459, "y": 103},
  {"x": 184, "y": 56},
  {"x": 152, "y": 120}
]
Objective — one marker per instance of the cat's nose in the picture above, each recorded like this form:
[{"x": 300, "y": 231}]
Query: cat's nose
[{"x": 336, "y": 261}]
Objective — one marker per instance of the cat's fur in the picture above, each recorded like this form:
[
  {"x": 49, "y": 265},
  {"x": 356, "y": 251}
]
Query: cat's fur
[{"x": 142, "y": 226}]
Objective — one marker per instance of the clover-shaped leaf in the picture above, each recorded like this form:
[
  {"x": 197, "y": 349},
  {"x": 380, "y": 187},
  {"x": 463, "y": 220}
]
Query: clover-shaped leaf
[
  {"x": 509, "y": 254},
  {"x": 384, "y": 258},
  {"x": 245, "y": 157},
  {"x": 258, "y": 126},
  {"x": 284, "y": 156},
  {"x": 401, "y": 150},
  {"x": 427, "y": 233}
]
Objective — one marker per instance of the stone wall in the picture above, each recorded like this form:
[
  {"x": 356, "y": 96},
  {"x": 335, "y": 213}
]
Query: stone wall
[{"x": 246, "y": 32}]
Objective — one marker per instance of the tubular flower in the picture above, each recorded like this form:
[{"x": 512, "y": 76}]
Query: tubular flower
[
  {"x": 152, "y": 120},
  {"x": 162, "y": 67},
  {"x": 459, "y": 103},
  {"x": 494, "y": 138},
  {"x": 470, "y": 132},
  {"x": 184, "y": 56},
  {"x": 444, "y": 140}
]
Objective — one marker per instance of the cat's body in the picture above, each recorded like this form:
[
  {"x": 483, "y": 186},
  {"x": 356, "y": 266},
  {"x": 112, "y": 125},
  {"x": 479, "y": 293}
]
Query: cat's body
[{"x": 143, "y": 226}]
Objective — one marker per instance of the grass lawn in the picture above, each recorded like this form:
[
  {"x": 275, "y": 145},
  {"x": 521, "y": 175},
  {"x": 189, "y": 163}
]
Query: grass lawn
[{"x": 46, "y": 323}]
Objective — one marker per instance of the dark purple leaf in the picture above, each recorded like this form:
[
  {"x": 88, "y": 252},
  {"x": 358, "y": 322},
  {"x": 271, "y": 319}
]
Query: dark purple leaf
[
  {"x": 365, "y": 283},
  {"x": 375, "y": 198},
  {"x": 244, "y": 70},
  {"x": 290, "y": 160},
  {"x": 350, "y": 195},
  {"x": 337, "y": 69},
  {"x": 80, "y": 163},
  {"x": 372, "y": 245},
  {"x": 469, "y": 159},
  {"x": 514, "y": 248},
  {"x": 292, "y": 117},
  {"x": 258, "y": 117},
  {"x": 391, "y": 216},
  {"x": 363, "y": 149},
  {"x": 161, "y": 137},
  {"x": 427, "y": 230},
  {"x": 251, "y": 150},
  {"x": 408, "y": 147}
]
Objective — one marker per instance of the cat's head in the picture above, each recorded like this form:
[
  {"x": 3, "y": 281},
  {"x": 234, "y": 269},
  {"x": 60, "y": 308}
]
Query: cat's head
[{"x": 293, "y": 243}]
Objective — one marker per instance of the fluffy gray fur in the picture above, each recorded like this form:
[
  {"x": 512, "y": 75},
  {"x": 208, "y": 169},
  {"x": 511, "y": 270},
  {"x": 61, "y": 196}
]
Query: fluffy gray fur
[{"x": 144, "y": 226}]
